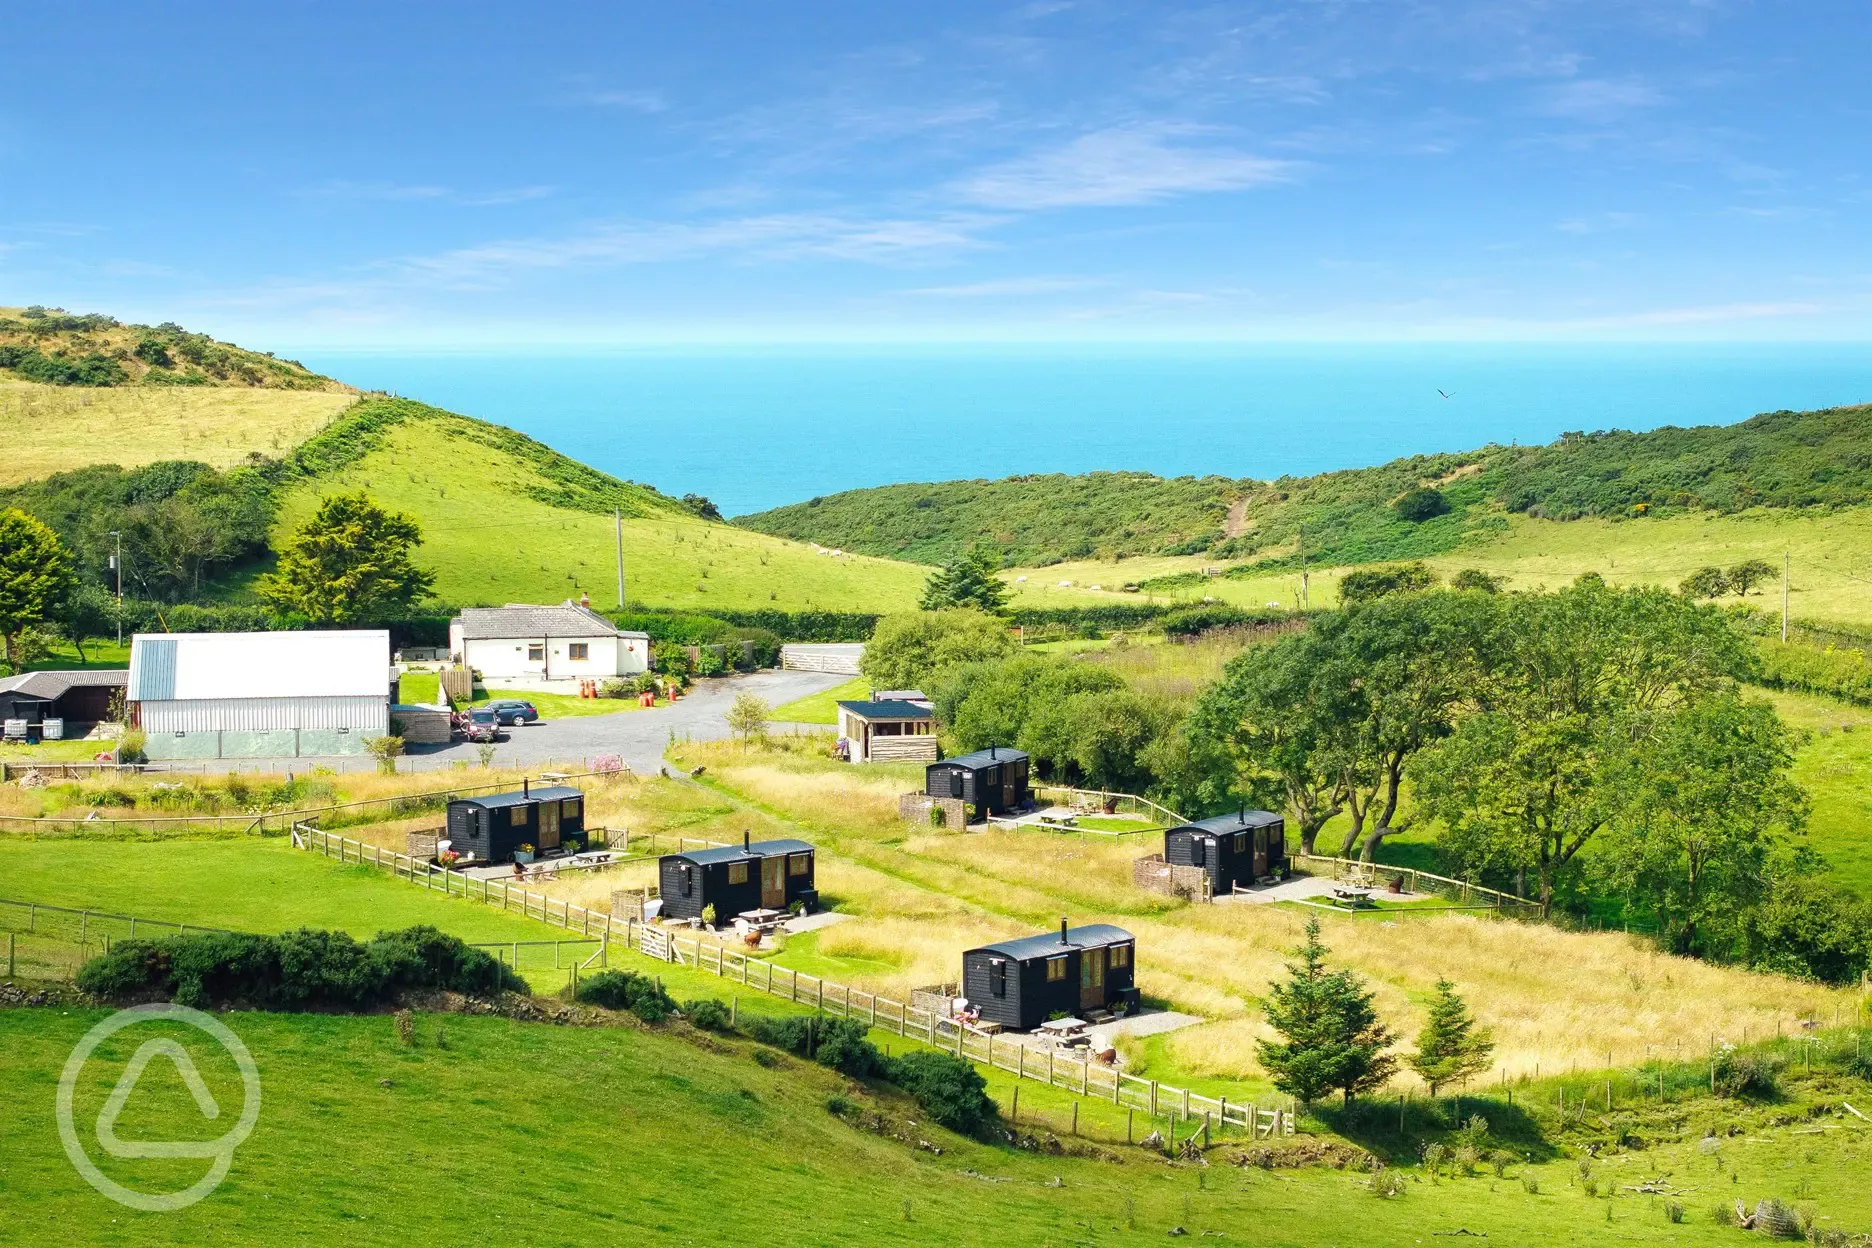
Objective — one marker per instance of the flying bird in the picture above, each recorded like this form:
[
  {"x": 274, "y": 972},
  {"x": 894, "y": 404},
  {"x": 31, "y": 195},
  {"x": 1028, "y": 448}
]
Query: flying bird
[{"x": 1443, "y": 392}]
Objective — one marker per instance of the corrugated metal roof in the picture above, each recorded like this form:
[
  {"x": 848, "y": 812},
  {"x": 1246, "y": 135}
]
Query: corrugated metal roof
[
  {"x": 544, "y": 793},
  {"x": 54, "y": 685},
  {"x": 1091, "y": 936},
  {"x": 327, "y": 664},
  {"x": 887, "y": 710},
  {"x": 521, "y": 621},
  {"x": 984, "y": 758},
  {"x": 1234, "y": 821},
  {"x": 734, "y": 853}
]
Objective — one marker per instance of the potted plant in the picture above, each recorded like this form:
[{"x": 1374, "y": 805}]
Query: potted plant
[
  {"x": 708, "y": 915},
  {"x": 523, "y": 852}
]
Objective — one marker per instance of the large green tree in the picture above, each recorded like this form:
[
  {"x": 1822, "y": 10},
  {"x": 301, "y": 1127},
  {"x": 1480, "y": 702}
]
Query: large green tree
[
  {"x": 968, "y": 580},
  {"x": 1566, "y": 705},
  {"x": 906, "y": 651},
  {"x": 1705, "y": 801},
  {"x": 349, "y": 564},
  {"x": 1452, "y": 1047},
  {"x": 35, "y": 578},
  {"x": 1331, "y": 1035}
]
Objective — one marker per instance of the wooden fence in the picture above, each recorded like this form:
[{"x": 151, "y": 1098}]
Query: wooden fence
[
  {"x": 1413, "y": 880},
  {"x": 1122, "y": 803},
  {"x": 66, "y": 771},
  {"x": 52, "y": 942},
  {"x": 1090, "y": 1079}
]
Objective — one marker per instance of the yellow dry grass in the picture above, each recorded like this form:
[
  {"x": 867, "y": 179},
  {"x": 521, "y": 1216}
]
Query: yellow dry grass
[
  {"x": 49, "y": 429},
  {"x": 1556, "y": 1000}
]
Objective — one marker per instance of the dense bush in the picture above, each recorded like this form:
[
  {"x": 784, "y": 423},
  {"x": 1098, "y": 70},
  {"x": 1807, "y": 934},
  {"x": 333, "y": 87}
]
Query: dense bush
[
  {"x": 1810, "y": 929},
  {"x": 59, "y": 369},
  {"x": 1736, "y": 1073},
  {"x": 1368, "y": 583},
  {"x": 1421, "y": 504},
  {"x": 950, "y": 1090},
  {"x": 708, "y": 1014},
  {"x": 305, "y": 969},
  {"x": 836, "y": 1042},
  {"x": 626, "y": 990},
  {"x": 1194, "y": 621},
  {"x": 1831, "y": 672}
]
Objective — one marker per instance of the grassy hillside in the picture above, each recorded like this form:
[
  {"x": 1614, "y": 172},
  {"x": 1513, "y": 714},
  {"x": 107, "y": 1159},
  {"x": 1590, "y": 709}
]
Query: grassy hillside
[
  {"x": 1778, "y": 460},
  {"x": 78, "y": 390},
  {"x": 506, "y": 519}
]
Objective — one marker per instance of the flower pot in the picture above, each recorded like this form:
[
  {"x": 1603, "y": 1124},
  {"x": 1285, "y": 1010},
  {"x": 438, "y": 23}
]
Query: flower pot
[{"x": 521, "y": 855}]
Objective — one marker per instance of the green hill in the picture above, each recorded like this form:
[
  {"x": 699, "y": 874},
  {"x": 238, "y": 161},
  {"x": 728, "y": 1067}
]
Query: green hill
[{"x": 1778, "y": 460}]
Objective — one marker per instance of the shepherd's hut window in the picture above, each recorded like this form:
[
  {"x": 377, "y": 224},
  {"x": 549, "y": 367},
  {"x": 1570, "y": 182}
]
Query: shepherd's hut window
[
  {"x": 1120, "y": 956},
  {"x": 997, "y": 977},
  {"x": 569, "y": 808},
  {"x": 799, "y": 864},
  {"x": 522, "y": 816},
  {"x": 578, "y": 650},
  {"x": 1199, "y": 854},
  {"x": 737, "y": 873},
  {"x": 1241, "y": 842},
  {"x": 686, "y": 884},
  {"x": 955, "y": 784},
  {"x": 1056, "y": 970}
]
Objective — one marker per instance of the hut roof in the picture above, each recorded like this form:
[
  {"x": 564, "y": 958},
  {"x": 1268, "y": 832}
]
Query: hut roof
[
  {"x": 545, "y": 793},
  {"x": 1091, "y": 936},
  {"x": 1234, "y": 821},
  {"x": 984, "y": 758},
  {"x": 735, "y": 853},
  {"x": 886, "y": 709}
]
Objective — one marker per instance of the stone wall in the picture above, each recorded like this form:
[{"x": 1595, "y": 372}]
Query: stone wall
[
  {"x": 915, "y": 808},
  {"x": 1155, "y": 875}
]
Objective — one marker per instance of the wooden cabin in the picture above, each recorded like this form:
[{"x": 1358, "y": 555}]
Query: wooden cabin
[
  {"x": 994, "y": 780},
  {"x": 887, "y": 730},
  {"x": 492, "y": 827},
  {"x": 763, "y": 875},
  {"x": 1237, "y": 848},
  {"x": 1075, "y": 971}
]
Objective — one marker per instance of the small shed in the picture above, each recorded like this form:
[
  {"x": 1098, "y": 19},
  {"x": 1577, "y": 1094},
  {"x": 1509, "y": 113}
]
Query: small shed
[
  {"x": 1237, "y": 848},
  {"x": 993, "y": 780},
  {"x": 762, "y": 875},
  {"x": 887, "y": 730},
  {"x": 1077, "y": 970},
  {"x": 75, "y": 697},
  {"x": 492, "y": 827}
]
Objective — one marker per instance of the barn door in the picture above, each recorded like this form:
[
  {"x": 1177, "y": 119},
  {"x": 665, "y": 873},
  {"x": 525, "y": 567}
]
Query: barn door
[
  {"x": 773, "y": 882},
  {"x": 548, "y": 826},
  {"x": 1092, "y": 979}
]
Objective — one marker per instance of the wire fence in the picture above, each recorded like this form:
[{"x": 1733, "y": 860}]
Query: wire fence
[{"x": 1084, "y": 1077}]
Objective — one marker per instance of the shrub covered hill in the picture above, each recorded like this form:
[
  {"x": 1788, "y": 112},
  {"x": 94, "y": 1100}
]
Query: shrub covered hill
[
  {"x": 205, "y": 456},
  {"x": 1417, "y": 506}
]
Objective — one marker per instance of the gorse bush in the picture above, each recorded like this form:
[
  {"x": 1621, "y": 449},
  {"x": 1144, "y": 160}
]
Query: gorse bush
[
  {"x": 625, "y": 990},
  {"x": 1755, "y": 1076},
  {"x": 950, "y": 1090},
  {"x": 708, "y": 1014},
  {"x": 305, "y": 969},
  {"x": 836, "y": 1042}
]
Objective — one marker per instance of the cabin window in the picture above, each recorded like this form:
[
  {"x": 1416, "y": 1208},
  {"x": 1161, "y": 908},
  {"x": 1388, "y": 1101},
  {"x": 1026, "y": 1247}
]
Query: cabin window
[
  {"x": 997, "y": 977},
  {"x": 1241, "y": 842},
  {"x": 1056, "y": 970},
  {"x": 799, "y": 864},
  {"x": 536, "y": 654},
  {"x": 1199, "y": 851},
  {"x": 737, "y": 873},
  {"x": 687, "y": 884},
  {"x": 569, "y": 808},
  {"x": 955, "y": 784},
  {"x": 578, "y": 650},
  {"x": 1120, "y": 956},
  {"x": 521, "y": 817}
]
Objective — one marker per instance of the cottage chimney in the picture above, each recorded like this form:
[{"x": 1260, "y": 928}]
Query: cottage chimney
[
  {"x": 584, "y": 599},
  {"x": 1063, "y": 939}
]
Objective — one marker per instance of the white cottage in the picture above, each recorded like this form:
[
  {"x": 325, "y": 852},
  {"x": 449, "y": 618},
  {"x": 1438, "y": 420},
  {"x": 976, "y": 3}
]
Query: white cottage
[
  {"x": 260, "y": 695},
  {"x": 529, "y": 646}
]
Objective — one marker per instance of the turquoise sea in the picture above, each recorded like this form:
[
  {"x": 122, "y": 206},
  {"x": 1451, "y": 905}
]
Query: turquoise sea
[{"x": 753, "y": 428}]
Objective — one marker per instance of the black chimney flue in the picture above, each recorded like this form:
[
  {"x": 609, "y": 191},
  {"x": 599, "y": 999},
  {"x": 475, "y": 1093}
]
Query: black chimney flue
[
  {"x": 992, "y": 751},
  {"x": 526, "y": 787},
  {"x": 746, "y": 845},
  {"x": 1063, "y": 939}
]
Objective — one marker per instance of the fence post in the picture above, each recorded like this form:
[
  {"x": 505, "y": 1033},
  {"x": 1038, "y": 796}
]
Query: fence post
[{"x": 10, "y": 936}]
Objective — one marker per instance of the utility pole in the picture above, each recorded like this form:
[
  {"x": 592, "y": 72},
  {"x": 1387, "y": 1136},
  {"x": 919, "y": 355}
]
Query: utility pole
[
  {"x": 117, "y": 567},
  {"x": 1787, "y": 561},
  {"x": 617, "y": 516}
]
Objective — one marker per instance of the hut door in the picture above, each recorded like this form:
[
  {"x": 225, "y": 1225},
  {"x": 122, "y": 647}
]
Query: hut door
[
  {"x": 1260, "y": 852},
  {"x": 1092, "y": 979},
  {"x": 548, "y": 826},
  {"x": 773, "y": 882}
]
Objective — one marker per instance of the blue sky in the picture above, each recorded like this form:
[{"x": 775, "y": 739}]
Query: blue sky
[{"x": 403, "y": 174}]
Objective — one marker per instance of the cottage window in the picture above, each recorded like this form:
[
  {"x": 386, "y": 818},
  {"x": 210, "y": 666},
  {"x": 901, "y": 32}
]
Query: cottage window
[
  {"x": 1120, "y": 956},
  {"x": 569, "y": 808},
  {"x": 997, "y": 977},
  {"x": 578, "y": 650},
  {"x": 1056, "y": 970},
  {"x": 799, "y": 864},
  {"x": 737, "y": 873},
  {"x": 536, "y": 654}
]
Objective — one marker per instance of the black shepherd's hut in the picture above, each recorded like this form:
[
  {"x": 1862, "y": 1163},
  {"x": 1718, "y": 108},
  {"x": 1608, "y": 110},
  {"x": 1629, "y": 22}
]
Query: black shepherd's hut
[
  {"x": 763, "y": 875},
  {"x": 1077, "y": 971},
  {"x": 491, "y": 828},
  {"x": 994, "y": 780},
  {"x": 1237, "y": 848}
]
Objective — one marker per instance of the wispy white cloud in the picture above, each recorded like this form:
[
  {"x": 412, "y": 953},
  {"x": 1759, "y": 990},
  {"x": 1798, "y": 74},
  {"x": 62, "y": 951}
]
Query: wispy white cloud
[
  {"x": 1599, "y": 223},
  {"x": 344, "y": 188},
  {"x": 516, "y": 195},
  {"x": 1006, "y": 286},
  {"x": 1598, "y": 100},
  {"x": 1122, "y": 165},
  {"x": 630, "y": 99}
]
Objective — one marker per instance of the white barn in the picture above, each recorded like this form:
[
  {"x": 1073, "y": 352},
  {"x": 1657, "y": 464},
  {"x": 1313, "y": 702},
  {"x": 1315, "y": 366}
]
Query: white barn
[
  {"x": 529, "y": 646},
  {"x": 260, "y": 695}
]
